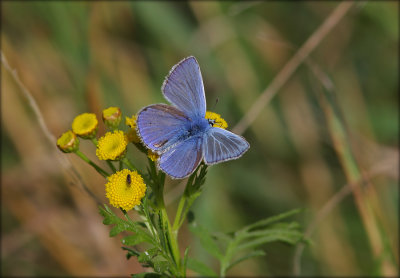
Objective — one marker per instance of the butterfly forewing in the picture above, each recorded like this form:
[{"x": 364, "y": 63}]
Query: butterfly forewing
[
  {"x": 184, "y": 88},
  {"x": 222, "y": 145},
  {"x": 160, "y": 125}
]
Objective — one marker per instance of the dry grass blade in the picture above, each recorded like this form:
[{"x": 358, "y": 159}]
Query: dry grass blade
[
  {"x": 66, "y": 164},
  {"x": 332, "y": 203},
  {"x": 290, "y": 67}
]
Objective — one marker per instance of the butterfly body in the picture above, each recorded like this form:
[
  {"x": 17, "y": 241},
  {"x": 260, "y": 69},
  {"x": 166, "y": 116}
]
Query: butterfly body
[
  {"x": 197, "y": 127},
  {"x": 180, "y": 133}
]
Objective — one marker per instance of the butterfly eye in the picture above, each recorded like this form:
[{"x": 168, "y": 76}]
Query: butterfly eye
[
  {"x": 211, "y": 122},
  {"x": 128, "y": 179}
]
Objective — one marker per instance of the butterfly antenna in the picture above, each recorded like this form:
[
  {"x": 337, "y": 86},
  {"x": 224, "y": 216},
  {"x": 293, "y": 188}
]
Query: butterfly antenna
[{"x": 215, "y": 104}]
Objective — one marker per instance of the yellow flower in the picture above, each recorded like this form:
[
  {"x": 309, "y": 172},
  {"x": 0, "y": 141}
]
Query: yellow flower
[
  {"x": 112, "y": 117},
  {"x": 132, "y": 133},
  {"x": 125, "y": 189},
  {"x": 112, "y": 146},
  {"x": 216, "y": 120},
  {"x": 85, "y": 125},
  {"x": 152, "y": 155},
  {"x": 68, "y": 142}
]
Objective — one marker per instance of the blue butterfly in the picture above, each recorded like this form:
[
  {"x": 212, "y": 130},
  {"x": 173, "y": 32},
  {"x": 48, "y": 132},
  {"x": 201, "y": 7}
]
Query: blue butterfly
[{"x": 180, "y": 133}]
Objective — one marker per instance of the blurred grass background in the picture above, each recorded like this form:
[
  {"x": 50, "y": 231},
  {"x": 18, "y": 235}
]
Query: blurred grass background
[{"x": 76, "y": 57}]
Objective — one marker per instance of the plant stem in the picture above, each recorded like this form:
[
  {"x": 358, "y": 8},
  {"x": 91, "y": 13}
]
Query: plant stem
[
  {"x": 170, "y": 234},
  {"x": 129, "y": 164},
  {"x": 112, "y": 167},
  {"x": 94, "y": 140},
  {"x": 172, "y": 239},
  {"x": 178, "y": 216},
  {"x": 94, "y": 165}
]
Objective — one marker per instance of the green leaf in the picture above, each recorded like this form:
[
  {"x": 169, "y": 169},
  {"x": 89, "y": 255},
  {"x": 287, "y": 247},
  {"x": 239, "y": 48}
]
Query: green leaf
[
  {"x": 131, "y": 252},
  {"x": 262, "y": 237},
  {"x": 185, "y": 259},
  {"x": 200, "y": 268},
  {"x": 147, "y": 275},
  {"x": 160, "y": 266},
  {"x": 206, "y": 240},
  {"x": 137, "y": 238},
  {"x": 118, "y": 229},
  {"x": 255, "y": 253},
  {"x": 148, "y": 255},
  {"x": 110, "y": 218},
  {"x": 270, "y": 220}
]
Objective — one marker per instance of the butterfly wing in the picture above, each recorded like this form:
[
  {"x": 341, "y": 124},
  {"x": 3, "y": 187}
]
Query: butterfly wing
[
  {"x": 181, "y": 160},
  {"x": 222, "y": 145},
  {"x": 160, "y": 125},
  {"x": 183, "y": 87}
]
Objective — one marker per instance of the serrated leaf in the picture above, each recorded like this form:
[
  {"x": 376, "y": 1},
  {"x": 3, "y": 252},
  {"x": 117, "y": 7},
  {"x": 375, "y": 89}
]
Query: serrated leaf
[
  {"x": 185, "y": 258},
  {"x": 160, "y": 266},
  {"x": 255, "y": 253},
  {"x": 206, "y": 240},
  {"x": 130, "y": 252},
  {"x": 136, "y": 239},
  {"x": 200, "y": 268},
  {"x": 147, "y": 275},
  {"x": 109, "y": 216},
  {"x": 147, "y": 255},
  {"x": 288, "y": 236},
  {"x": 270, "y": 220},
  {"x": 117, "y": 229},
  {"x": 121, "y": 225}
]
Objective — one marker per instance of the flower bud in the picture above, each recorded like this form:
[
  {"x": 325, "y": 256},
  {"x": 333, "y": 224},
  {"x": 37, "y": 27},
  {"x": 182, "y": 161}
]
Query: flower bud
[
  {"x": 68, "y": 142},
  {"x": 85, "y": 125},
  {"x": 112, "y": 117}
]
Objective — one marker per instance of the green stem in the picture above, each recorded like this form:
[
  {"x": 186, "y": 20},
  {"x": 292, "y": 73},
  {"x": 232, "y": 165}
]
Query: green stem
[
  {"x": 112, "y": 167},
  {"x": 94, "y": 140},
  {"x": 178, "y": 216},
  {"x": 129, "y": 164},
  {"x": 171, "y": 236},
  {"x": 172, "y": 239},
  {"x": 94, "y": 165},
  {"x": 149, "y": 222},
  {"x": 120, "y": 165}
]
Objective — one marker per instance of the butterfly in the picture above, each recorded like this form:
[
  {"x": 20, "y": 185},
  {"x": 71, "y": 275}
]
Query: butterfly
[{"x": 179, "y": 133}]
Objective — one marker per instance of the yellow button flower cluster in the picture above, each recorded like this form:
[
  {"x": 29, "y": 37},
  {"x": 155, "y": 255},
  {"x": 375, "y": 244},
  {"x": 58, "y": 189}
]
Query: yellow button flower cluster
[
  {"x": 152, "y": 155},
  {"x": 112, "y": 146},
  {"x": 123, "y": 191},
  {"x": 216, "y": 120},
  {"x": 132, "y": 133}
]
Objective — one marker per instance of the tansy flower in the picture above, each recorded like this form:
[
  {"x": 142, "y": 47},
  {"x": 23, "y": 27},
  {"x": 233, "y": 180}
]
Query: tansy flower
[
  {"x": 112, "y": 146},
  {"x": 152, "y": 155},
  {"x": 68, "y": 142},
  {"x": 125, "y": 189},
  {"x": 112, "y": 117},
  {"x": 85, "y": 125},
  {"x": 216, "y": 120},
  {"x": 132, "y": 133}
]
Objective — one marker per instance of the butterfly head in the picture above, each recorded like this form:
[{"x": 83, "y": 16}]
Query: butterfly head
[{"x": 211, "y": 122}]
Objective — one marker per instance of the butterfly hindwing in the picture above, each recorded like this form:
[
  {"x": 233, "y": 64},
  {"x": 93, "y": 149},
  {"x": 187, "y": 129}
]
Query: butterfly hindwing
[
  {"x": 159, "y": 126},
  {"x": 182, "y": 159},
  {"x": 222, "y": 145},
  {"x": 183, "y": 87}
]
